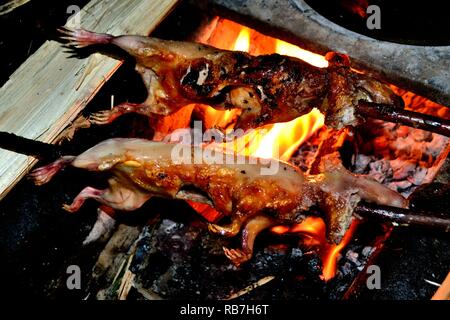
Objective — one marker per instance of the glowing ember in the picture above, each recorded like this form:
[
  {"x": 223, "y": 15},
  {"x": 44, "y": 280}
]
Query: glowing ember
[{"x": 208, "y": 212}]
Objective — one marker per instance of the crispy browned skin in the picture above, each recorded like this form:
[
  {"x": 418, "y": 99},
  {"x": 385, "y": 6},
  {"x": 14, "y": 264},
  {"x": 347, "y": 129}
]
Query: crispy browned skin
[
  {"x": 268, "y": 88},
  {"x": 254, "y": 201}
]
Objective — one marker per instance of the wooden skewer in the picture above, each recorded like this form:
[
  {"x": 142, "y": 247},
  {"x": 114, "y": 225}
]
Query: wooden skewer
[
  {"x": 403, "y": 216},
  {"x": 408, "y": 118}
]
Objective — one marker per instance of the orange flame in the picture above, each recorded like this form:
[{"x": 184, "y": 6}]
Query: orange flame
[
  {"x": 288, "y": 49},
  {"x": 243, "y": 40},
  {"x": 331, "y": 253},
  {"x": 278, "y": 140},
  {"x": 314, "y": 229}
]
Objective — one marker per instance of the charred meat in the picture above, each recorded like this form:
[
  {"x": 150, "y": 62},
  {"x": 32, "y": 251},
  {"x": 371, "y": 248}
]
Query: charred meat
[
  {"x": 267, "y": 88},
  {"x": 256, "y": 194}
]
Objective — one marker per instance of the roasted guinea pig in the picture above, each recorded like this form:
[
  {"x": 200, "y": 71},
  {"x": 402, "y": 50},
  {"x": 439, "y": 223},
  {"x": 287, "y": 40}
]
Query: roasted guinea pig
[
  {"x": 266, "y": 89},
  {"x": 254, "y": 193}
]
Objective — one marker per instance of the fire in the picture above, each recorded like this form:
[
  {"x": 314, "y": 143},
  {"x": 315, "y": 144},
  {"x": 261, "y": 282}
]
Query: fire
[
  {"x": 314, "y": 231},
  {"x": 288, "y": 49},
  {"x": 278, "y": 141},
  {"x": 331, "y": 252},
  {"x": 243, "y": 40}
]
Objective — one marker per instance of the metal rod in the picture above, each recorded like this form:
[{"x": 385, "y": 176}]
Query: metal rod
[
  {"x": 403, "y": 216},
  {"x": 405, "y": 117}
]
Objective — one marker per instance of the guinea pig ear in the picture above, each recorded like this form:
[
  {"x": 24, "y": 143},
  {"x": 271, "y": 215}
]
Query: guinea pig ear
[{"x": 337, "y": 59}]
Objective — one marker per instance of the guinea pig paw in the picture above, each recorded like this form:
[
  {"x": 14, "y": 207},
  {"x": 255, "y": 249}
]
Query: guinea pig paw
[
  {"x": 237, "y": 256},
  {"x": 102, "y": 117}
]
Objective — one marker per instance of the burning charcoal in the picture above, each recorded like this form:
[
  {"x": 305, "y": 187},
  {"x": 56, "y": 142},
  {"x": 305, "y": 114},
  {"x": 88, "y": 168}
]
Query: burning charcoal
[
  {"x": 314, "y": 265},
  {"x": 380, "y": 170},
  {"x": 434, "y": 147},
  {"x": 144, "y": 248},
  {"x": 400, "y": 186},
  {"x": 296, "y": 253},
  {"x": 382, "y": 142},
  {"x": 418, "y": 176},
  {"x": 403, "y": 146},
  {"x": 361, "y": 163}
]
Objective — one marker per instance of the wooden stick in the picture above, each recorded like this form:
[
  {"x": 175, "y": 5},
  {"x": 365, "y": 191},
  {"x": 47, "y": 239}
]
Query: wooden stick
[
  {"x": 443, "y": 293},
  {"x": 408, "y": 118},
  {"x": 251, "y": 287},
  {"x": 403, "y": 216},
  {"x": 49, "y": 89}
]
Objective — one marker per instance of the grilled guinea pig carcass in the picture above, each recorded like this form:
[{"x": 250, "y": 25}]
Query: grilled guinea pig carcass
[
  {"x": 267, "y": 88},
  {"x": 255, "y": 193}
]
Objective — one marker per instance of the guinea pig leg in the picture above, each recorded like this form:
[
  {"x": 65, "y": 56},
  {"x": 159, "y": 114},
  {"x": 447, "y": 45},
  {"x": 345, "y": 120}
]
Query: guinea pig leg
[
  {"x": 80, "y": 38},
  {"x": 86, "y": 193},
  {"x": 146, "y": 109},
  {"x": 43, "y": 174},
  {"x": 116, "y": 196},
  {"x": 154, "y": 104},
  {"x": 229, "y": 230},
  {"x": 252, "y": 228},
  {"x": 122, "y": 196},
  {"x": 108, "y": 116}
]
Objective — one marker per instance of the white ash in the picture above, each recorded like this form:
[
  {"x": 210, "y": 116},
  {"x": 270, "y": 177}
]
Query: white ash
[
  {"x": 353, "y": 257},
  {"x": 407, "y": 151},
  {"x": 346, "y": 268},
  {"x": 394, "y": 155},
  {"x": 304, "y": 156},
  {"x": 169, "y": 226},
  {"x": 398, "y": 156},
  {"x": 380, "y": 170},
  {"x": 367, "y": 251}
]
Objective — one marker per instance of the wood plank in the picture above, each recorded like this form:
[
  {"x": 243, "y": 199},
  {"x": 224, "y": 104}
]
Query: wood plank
[{"x": 49, "y": 89}]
